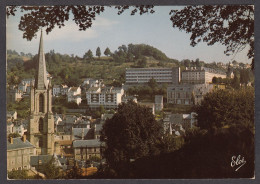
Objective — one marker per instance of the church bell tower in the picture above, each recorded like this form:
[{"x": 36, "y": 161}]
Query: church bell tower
[{"x": 41, "y": 125}]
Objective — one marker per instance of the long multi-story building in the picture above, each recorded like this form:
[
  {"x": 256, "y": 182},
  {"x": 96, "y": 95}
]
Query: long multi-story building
[
  {"x": 200, "y": 75},
  {"x": 161, "y": 75},
  {"x": 187, "y": 94},
  {"x": 109, "y": 97}
]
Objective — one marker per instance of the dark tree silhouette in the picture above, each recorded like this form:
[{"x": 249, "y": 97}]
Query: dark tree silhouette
[
  {"x": 130, "y": 134},
  {"x": 232, "y": 26},
  {"x": 51, "y": 16},
  {"x": 98, "y": 52}
]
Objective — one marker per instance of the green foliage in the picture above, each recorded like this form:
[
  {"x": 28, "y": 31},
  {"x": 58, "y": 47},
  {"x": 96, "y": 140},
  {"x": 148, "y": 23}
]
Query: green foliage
[
  {"x": 51, "y": 171},
  {"x": 74, "y": 173},
  {"x": 142, "y": 62},
  {"x": 95, "y": 159},
  {"x": 107, "y": 52},
  {"x": 72, "y": 105},
  {"x": 52, "y": 16},
  {"x": 205, "y": 22},
  {"x": 22, "y": 107},
  {"x": 235, "y": 83},
  {"x": 98, "y": 52},
  {"x": 205, "y": 155},
  {"x": 131, "y": 133},
  {"x": 21, "y": 174},
  {"x": 218, "y": 80},
  {"x": 170, "y": 143},
  {"x": 146, "y": 92},
  {"x": 14, "y": 135},
  {"x": 88, "y": 55},
  {"x": 152, "y": 83},
  {"x": 244, "y": 76},
  {"x": 186, "y": 63},
  {"x": 137, "y": 53},
  {"x": 227, "y": 107}
]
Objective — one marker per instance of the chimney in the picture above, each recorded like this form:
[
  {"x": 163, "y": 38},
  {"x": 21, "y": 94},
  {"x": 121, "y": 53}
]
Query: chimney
[
  {"x": 11, "y": 140},
  {"x": 24, "y": 138}
]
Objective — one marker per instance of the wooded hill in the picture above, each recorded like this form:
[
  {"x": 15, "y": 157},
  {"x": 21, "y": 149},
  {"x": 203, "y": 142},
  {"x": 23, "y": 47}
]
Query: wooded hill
[{"x": 70, "y": 69}]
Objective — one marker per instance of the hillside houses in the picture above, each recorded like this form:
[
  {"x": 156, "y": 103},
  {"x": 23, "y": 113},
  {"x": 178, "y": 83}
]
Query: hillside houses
[{"x": 74, "y": 95}]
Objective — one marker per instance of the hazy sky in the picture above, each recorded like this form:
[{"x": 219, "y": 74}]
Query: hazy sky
[{"x": 112, "y": 30}]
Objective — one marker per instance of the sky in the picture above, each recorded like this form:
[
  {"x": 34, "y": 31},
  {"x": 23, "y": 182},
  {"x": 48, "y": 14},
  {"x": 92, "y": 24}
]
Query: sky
[{"x": 112, "y": 30}]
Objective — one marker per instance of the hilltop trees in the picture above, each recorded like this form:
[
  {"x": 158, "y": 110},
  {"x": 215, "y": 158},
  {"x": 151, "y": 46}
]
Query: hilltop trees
[
  {"x": 107, "y": 52},
  {"x": 137, "y": 52},
  {"x": 88, "y": 55},
  {"x": 130, "y": 134},
  {"x": 98, "y": 52}
]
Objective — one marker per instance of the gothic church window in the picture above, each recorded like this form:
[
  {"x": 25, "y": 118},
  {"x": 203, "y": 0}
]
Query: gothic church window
[{"x": 41, "y": 103}]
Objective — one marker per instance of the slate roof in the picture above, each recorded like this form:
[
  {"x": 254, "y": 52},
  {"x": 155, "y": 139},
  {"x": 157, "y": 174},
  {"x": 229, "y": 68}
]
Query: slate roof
[
  {"x": 58, "y": 160},
  {"x": 98, "y": 128},
  {"x": 77, "y": 132},
  {"x": 87, "y": 143},
  {"x": 18, "y": 144},
  {"x": 34, "y": 161}
]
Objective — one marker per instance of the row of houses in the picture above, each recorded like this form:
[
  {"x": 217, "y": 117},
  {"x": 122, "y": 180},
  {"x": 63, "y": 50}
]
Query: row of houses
[
  {"x": 21, "y": 154},
  {"x": 77, "y": 139}
]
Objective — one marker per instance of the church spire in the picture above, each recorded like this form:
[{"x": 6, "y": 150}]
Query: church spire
[{"x": 41, "y": 77}]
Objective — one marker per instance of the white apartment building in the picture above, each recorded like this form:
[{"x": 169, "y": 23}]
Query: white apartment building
[
  {"x": 161, "y": 75},
  {"x": 74, "y": 95},
  {"x": 200, "y": 75},
  {"x": 109, "y": 97}
]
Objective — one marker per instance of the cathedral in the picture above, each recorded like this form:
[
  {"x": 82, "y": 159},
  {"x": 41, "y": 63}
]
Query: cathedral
[{"x": 41, "y": 123}]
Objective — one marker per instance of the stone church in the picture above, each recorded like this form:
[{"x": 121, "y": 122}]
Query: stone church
[{"x": 41, "y": 124}]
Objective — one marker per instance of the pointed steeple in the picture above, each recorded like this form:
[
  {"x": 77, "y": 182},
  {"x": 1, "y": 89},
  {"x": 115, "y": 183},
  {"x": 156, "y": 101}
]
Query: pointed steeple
[{"x": 41, "y": 77}]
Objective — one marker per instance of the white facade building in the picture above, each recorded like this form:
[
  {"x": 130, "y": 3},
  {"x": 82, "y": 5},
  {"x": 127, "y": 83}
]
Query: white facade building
[
  {"x": 187, "y": 94},
  {"x": 161, "y": 75},
  {"x": 74, "y": 95},
  {"x": 200, "y": 76},
  {"x": 109, "y": 97}
]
